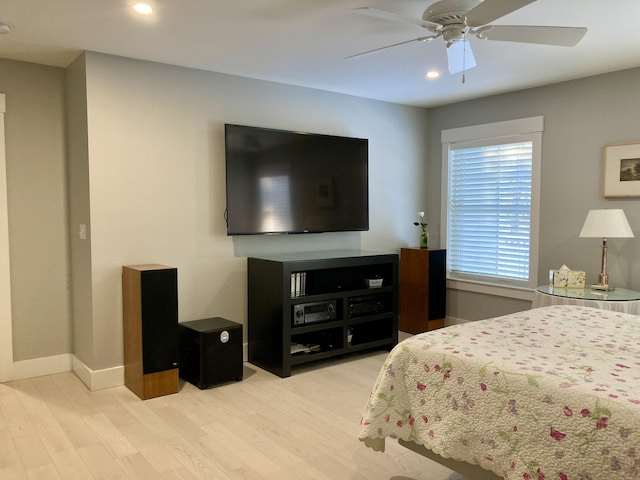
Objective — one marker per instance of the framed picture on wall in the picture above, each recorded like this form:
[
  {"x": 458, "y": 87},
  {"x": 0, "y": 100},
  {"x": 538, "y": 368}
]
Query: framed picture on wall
[{"x": 622, "y": 170}]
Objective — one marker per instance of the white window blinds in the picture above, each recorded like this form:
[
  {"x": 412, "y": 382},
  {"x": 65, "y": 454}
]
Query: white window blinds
[
  {"x": 491, "y": 204},
  {"x": 489, "y": 210}
]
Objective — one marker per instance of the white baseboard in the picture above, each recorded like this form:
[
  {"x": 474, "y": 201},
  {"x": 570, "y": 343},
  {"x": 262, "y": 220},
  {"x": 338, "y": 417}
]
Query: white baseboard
[
  {"x": 93, "y": 379},
  {"x": 38, "y": 367},
  {"x": 98, "y": 379}
]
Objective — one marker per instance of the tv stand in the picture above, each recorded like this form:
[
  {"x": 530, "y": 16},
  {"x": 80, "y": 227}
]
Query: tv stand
[{"x": 311, "y": 306}]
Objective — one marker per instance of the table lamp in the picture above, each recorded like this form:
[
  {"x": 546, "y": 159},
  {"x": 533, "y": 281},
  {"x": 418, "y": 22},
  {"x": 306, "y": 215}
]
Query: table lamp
[{"x": 605, "y": 223}]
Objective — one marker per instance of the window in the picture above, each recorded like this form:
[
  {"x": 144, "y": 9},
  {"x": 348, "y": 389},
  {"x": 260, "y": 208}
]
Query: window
[{"x": 490, "y": 213}]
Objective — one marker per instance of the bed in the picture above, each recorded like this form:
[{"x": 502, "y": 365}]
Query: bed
[{"x": 548, "y": 393}]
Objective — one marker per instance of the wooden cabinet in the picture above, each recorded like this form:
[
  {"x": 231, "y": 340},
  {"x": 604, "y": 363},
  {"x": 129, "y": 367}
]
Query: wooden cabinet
[
  {"x": 307, "y": 307},
  {"x": 150, "y": 321},
  {"x": 422, "y": 289}
]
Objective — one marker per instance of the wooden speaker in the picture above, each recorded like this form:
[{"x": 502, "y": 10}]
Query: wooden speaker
[
  {"x": 150, "y": 314},
  {"x": 423, "y": 289}
]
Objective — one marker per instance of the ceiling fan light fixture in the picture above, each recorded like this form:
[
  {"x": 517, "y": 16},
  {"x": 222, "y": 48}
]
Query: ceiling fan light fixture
[
  {"x": 453, "y": 33},
  {"x": 432, "y": 75},
  {"x": 460, "y": 57}
]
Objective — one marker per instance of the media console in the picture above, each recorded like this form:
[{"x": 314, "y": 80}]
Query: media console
[{"x": 311, "y": 306}]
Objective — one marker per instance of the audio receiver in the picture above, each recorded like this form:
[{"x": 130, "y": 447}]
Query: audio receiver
[{"x": 304, "y": 313}]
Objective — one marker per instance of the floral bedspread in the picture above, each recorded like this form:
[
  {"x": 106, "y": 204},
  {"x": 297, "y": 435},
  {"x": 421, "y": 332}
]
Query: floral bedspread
[{"x": 549, "y": 393}]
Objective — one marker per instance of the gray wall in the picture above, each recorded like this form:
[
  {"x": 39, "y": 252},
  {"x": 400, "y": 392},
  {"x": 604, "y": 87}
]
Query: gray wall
[
  {"x": 145, "y": 154},
  {"x": 581, "y": 117},
  {"x": 84, "y": 338},
  {"x": 37, "y": 204}
]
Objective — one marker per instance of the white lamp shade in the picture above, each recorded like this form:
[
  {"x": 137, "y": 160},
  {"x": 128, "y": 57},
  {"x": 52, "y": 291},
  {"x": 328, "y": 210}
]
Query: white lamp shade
[{"x": 606, "y": 223}]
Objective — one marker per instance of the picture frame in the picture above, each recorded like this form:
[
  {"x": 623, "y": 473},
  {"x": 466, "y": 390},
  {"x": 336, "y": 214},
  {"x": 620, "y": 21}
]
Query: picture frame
[{"x": 621, "y": 174}]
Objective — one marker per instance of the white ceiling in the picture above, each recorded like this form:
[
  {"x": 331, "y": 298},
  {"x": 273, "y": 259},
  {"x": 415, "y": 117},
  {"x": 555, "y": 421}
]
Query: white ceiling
[{"x": 305, "y": 42}]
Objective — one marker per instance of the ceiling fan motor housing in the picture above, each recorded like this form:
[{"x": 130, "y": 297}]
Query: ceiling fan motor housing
[
  {"x": 453, "y": 33},
  {"x": 449, "y": 11},
  {"x": 451, "y": 14}
]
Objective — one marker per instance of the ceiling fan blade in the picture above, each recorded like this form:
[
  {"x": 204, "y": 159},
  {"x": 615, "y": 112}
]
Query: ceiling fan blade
[
  {"x": 560, "y": 36},
  {"x": 373, "y": 12},
  {"x": 460, "y": 57},
  {"x": 491, "y": 10},
  {"x": 421, "y": 39}
]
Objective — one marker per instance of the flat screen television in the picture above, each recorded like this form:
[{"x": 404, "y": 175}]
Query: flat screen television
[{"x": 290, "y": 182}]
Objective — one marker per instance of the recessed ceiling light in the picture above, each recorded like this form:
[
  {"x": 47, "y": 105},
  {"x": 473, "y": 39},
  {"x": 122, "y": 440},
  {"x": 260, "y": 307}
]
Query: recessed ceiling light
[
  {"x": 432, "y": 74},
  {"x": 5, "y": 27},
  {"x": 143, "y": 8}
]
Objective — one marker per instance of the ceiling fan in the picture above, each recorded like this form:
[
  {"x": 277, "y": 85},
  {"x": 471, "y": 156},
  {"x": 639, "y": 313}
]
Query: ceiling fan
[{"x": 456, "y": 20}]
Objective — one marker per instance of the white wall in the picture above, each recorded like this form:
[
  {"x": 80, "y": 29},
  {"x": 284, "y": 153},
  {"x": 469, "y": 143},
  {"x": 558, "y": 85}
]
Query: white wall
[{"x": 157, "y": 189}]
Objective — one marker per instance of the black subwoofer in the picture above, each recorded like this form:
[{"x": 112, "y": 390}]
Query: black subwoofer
[{"x": 210, "y": 351}]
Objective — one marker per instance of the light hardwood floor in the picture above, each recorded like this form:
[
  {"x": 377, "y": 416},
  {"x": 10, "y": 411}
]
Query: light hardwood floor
[{"x": 265, "y": 427}]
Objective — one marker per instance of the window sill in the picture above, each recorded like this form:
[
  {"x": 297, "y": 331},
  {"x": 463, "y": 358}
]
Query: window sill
[{"x": 519, "y": 293}]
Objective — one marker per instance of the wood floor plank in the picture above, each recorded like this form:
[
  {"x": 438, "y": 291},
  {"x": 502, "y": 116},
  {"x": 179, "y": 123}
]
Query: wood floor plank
[
  {"x": 113, "y": 409},
  {"x": 101, "y": 464},
  {"x": 179, "y": 474},
  {"x": 137, "y": 467},
  {"x": 23, "y": 434},
  {"x": 12, "y": 473},
  {"x": 76, "y": 429},
  {"x": 178, "y": 421},
  {"x": 47, "y": 472},
  {"x": 71, "y": 422},
  {"x": 70, "y": 465},
  {"x": 31, "y": 401},
  {"x": 153, "y": 450},
  {"x": 192, "y": 406},
  {"x": 233, "y": 450},
  {"x": 53, "y": 436},
  {"x": 10, "y": 464},
  {"x": 261, "y": 428},
  {"x": 184, "y": 450},
  {"x": 77, "y": 394},
  {"x": 110, "y": 436}
]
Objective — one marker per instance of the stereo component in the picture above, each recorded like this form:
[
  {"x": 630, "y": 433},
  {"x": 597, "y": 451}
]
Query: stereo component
[
  {"x": 366, "y": 305},
  {"x": 304, "y": 313}
]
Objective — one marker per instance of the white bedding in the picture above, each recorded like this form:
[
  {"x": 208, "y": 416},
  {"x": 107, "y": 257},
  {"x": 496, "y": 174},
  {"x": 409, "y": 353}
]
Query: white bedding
[{"x": 549, "y": 393}]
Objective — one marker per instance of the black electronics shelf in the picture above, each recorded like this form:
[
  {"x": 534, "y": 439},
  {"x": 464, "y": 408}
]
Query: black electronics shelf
[{"x": 311, "y": 306}]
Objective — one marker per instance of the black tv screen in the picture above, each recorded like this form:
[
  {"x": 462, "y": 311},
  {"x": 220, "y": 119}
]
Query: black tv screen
[{"x": 291, "y": 182}]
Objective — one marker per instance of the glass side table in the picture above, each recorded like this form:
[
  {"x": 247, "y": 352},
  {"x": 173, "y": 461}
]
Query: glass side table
[{"x": 619, "y": 300}]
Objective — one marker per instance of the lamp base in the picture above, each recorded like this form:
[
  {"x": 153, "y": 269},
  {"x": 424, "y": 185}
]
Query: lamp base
[{"x": 603, "y": 278}]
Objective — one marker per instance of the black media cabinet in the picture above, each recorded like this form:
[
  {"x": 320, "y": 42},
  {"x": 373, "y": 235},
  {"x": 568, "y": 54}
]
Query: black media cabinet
[{"x": 311, "y": 306}]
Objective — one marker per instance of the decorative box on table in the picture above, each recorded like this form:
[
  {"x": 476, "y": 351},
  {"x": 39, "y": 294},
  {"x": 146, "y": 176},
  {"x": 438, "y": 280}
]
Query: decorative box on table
[{"x": 567, "y": 278}]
